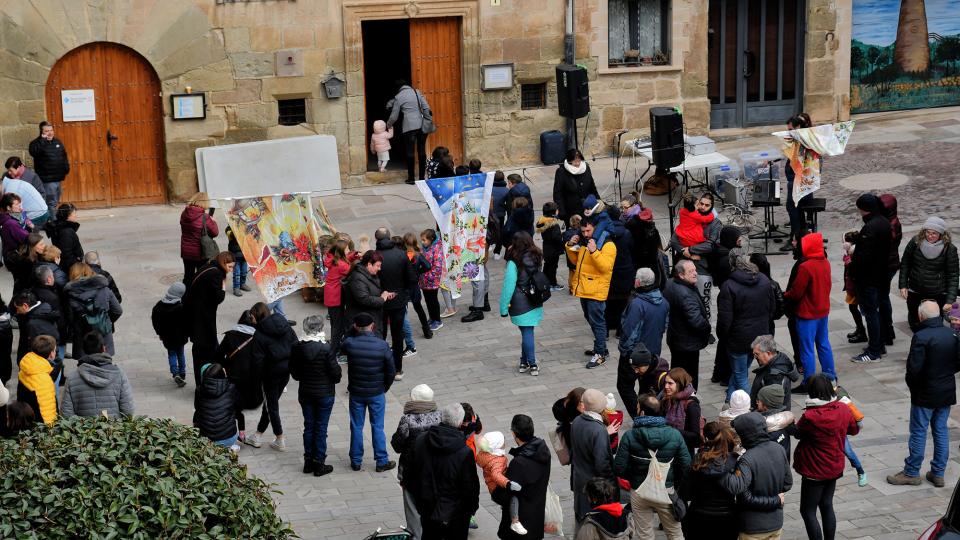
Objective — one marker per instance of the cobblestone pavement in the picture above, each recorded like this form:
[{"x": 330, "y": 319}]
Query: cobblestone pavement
[{"x": 476, "y": 362}]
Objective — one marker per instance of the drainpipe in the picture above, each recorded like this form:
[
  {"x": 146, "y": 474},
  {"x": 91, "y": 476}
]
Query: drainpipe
[{"x": 570, "y": 57}]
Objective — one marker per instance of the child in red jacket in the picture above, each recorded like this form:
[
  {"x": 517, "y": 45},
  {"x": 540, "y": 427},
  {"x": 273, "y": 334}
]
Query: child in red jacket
[{"x": 690, "y": 226}]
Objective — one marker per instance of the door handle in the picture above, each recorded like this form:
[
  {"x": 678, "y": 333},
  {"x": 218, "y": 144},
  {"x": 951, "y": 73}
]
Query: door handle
[
  {"x": 749, "y": 64},
  {"x": 110, "y": 138}
]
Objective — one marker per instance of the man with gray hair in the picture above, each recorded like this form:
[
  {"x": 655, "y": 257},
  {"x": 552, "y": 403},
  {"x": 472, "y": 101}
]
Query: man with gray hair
[
  {"x": 931, "y": 365},
  {"x": 688, "y": 330},
  {"x": 644, "y": 321},
  {"x": 744, "y": 311},
  {"x": 92, "y": 258},
  {"x": 313, "y": 364},
  {"x": 443, "y": 478},
  {"x": 776, "y": 368},
  {"x": 46, "y": 291}
]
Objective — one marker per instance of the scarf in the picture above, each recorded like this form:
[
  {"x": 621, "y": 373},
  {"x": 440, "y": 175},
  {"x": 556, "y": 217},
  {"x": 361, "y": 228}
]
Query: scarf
[
  {"x": 675, "y": 406},
  {"x": 419, "y": 407},
  {"x": 931, "y": 251},
  {"x": 19, "y": 216},
  {"x": 630, "y": 212},
  {"x": 594, "y": 415},
  {"x": 320, "y": 337},
  {"x": 814, "y": 402},
  {"x": 575, "y": 170},
  {"x": 244, "y": 329}
]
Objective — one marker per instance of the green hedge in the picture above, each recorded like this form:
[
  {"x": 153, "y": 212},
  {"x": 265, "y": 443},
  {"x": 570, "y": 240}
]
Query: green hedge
[{"x": 129, "y": 478}]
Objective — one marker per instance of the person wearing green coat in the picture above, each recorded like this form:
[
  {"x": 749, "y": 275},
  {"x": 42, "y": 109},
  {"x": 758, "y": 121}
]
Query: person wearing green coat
[{"x": 524, "y": 258}]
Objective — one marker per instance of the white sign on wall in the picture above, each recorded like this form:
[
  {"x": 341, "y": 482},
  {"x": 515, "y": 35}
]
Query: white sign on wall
[{"x": 78, "y": 105}]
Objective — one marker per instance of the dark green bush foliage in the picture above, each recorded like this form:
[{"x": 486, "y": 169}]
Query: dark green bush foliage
[{"x": 128, "y": 478}]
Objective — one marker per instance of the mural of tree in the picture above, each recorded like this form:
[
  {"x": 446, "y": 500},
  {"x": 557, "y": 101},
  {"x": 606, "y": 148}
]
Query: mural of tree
[
  {"x": 857, "y": 61},
  {"x": 912, "y": 49}
]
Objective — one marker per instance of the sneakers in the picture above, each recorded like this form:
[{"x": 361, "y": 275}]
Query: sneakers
[
  {"x": 179, "y": 380},
  {"x": 435, "y": 325},
  {"x": 556, "y": 288},
  {"x": 937, "y": 481},
  {"x": 448, "y": 313},
  {"x": 253, "y": 440},
  {"x": 864, "y": 358},
  {"x": 597, "y": 361},
  {"x": 245, "y": 288},
  {"x": 535, "y": 370},
  {"x": 236, "y": 292},
  {"x": 902, "y": 479},
  {"x": 524, "y": 367},
  {"x": 235, "y": 448},
  {"x": 862, "y": 479},
  {"x": 517, "y": 528},
  {"x": 410, "y": 351},
  {"x": 474, "y": 315},
  {"x": 279, "y": 444},
  {"x": 398, "y": 376},
  {"x": 386, "y": 466}
]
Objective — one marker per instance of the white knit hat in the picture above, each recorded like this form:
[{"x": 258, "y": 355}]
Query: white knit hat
[
  {"x": 611, "y": 402},
  {"x": 421, "y": 392},
  {"x": 493, "y": 441}
]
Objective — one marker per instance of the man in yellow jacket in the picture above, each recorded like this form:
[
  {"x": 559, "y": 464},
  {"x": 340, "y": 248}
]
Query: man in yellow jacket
[
  {"x": 590, "y": 282},
  {"x": 36, "y": 387}
]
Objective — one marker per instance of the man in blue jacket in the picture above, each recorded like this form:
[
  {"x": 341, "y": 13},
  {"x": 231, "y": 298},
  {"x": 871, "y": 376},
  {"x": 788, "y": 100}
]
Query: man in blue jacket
[
  {"x": 370, "y": 373},
  {"x": 644, "y": 321}
]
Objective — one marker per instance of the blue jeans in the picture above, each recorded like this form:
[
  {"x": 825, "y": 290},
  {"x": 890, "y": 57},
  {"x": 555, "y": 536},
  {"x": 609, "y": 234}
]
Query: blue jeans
[
  {"x": 594, "y": 311},
  {"x": 51, "y": 193},
  {"x": 851, "y": 455},
  {"x": 277, "y": 307},
  {"x": 739, "y": 375},
  {"x": 528, "y": 352},
  {"x": 228, "y": 442},
  {"x": 813, "y": 333},
  {"x": 316, "y": 416},
  {"x": 920, "y": 418},
  {"x": 240, "y": 274},
  {"x": 868, "y": 298},
  {"x": 408, "y": 333},
  {"x": 178, "y": 361},
  {"x": 377, "y": 406}
]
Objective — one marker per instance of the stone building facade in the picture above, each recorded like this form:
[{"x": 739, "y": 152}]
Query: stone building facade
[{"x": 227, "y": 49}]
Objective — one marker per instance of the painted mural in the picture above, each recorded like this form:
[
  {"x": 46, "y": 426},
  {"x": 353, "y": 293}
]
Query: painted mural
[{"x": 905, "y": 55}]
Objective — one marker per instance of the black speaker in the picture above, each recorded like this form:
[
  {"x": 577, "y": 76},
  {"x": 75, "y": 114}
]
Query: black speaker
[
  {"x": 573, "y": 91},
  {"x": 666, "y": 137}
]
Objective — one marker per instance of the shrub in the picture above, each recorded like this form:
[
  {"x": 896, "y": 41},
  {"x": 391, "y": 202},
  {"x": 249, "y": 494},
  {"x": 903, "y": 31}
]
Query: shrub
[{"x": 128, "y": 478}]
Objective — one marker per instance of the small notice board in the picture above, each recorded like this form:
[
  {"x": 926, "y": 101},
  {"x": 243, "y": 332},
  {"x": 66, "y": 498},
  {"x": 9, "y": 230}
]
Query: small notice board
[{"x": 78, "y": 105}]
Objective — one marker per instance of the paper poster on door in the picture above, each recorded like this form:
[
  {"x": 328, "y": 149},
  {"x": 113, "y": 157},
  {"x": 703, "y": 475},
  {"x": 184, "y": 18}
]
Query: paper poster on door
[{"x": 78, "y": 105}]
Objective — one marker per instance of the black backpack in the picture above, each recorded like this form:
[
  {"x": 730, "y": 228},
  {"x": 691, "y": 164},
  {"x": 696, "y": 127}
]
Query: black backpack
[{"x": 537, "y": 288}]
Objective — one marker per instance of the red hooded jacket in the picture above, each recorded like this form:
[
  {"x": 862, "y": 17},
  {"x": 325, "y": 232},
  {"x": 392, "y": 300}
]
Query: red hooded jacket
[
  {"x": 822, "y": 431},
  {"x": 811, "y": 288}
]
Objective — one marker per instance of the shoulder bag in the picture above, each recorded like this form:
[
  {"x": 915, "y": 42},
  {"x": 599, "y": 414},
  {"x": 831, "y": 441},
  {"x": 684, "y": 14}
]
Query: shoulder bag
[
  {"x": 208, "y": 246},
  {"x": 427, "y": 127}
]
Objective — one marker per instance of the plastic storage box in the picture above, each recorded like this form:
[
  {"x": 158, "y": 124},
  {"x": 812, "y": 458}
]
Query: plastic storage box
[
  {"x": 552, "y": 147},
  {"x": 722, "y": 174},
  {"x": 756, "y": 165}
]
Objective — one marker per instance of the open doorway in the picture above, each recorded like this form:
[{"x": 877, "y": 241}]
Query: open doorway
[{"x": 386, "y": 58}]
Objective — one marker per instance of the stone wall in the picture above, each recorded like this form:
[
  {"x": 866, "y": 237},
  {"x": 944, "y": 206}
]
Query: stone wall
[{"x": 826, "y": 78}]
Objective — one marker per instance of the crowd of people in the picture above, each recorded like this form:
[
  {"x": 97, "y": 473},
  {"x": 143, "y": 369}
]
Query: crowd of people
[{"x": 702, "y": 477}]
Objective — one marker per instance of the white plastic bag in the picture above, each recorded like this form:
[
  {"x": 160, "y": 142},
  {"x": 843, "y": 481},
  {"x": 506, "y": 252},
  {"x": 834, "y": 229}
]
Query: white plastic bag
[
  {"x": 553, "y": 514},
  {"x": 653, "y": 490}
]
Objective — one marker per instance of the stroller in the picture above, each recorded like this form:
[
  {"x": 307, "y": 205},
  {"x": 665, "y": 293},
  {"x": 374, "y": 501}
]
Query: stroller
[{"x": 380, "y": 534}]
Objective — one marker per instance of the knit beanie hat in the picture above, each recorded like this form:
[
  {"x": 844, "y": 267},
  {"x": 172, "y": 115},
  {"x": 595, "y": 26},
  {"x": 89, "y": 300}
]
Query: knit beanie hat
[
  {"x": 641, "y": 356},
  {"x": 421, "y": 392},
  {"x": 593, "y": 400},
  {"x": 492, "y": 442},
  {"x": 611, "y": 402},
  {"x": 590, "y": 205},
  {"x": 740, "y": 403},
  {"x": 772, "y": 396},
  {"x": 729, "y": 236},
  {"x": 933, "y": 223},
  {"x": 868, "y": 202},
  {"x": 174, "y": 293}
]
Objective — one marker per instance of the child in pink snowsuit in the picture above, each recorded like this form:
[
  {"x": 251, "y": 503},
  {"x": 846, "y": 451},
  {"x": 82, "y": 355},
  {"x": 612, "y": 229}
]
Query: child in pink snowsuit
[{"x": 380, "y": 143}]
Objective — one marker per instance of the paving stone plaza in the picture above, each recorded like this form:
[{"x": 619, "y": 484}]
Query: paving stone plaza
[{"x": 916, "y": 156}]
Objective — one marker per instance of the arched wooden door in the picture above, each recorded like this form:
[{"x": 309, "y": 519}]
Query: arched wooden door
[{"x": 117, "y": 158}]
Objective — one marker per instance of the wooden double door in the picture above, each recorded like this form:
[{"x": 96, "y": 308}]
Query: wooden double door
[{"x": 116, "y": 158}]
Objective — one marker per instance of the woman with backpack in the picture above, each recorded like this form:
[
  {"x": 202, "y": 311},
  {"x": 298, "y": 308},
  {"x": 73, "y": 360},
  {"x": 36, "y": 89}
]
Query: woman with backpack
[
  {"x": 681, "y": 406},
  {"x": 93, "y": 306},
  {"x": 524, "y": 260}
]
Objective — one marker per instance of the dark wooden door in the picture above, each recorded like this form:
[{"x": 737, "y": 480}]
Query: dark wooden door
[
  {"x": 117, "y": 159},
  {"x": 435, "y": 71}
]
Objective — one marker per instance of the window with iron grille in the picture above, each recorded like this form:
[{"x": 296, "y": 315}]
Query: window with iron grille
[
  {"x": 292, "y": 111},
  {"x": 638, "y": 32},
  {"x": 533, "y": 96}
]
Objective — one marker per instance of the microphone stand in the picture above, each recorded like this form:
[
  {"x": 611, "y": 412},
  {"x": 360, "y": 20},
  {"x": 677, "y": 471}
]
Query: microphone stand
[{"x": 617, "y": 175}]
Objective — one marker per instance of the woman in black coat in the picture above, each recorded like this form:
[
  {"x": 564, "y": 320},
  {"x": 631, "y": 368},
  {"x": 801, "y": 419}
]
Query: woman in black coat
[
  {"x": 565, "y": 410},
  {"x": 213, "y": 405},
  {"x": 245, "y": 369},
  {"x": 272, "y": 346},
  {"x": 929, "y": 269},
  {"x": 572, "y": 183},
  {"x": 530, "y": 467},
  {"x": 64, "y": 236},
  {"x": 711, "y": 510},
  {"x": 362, "y": 293},
  {"x": 204, "y": 296}
]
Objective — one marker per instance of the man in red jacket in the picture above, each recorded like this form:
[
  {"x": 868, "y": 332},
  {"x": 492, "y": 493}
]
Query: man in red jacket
[{"x": 810, "y": 292}]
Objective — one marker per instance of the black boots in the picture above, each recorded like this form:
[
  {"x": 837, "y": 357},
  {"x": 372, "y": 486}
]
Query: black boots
[
  {"x": 857, "y": 336},
  {"x": 318, "y": 468},
  {"x": 474, "y": 315},
  {"x": 486, "y": 302},
  {"x": 427, "y": 332}
]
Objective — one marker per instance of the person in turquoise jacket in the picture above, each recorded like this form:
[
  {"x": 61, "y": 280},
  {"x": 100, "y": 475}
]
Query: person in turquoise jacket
[{"x": 524, "y": 258}]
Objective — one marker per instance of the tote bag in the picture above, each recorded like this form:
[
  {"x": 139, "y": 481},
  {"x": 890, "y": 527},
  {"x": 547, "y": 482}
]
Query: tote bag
[
  {"x": 427, "y": 127},
  {"x": 560, "y": 447},
  {"x": 208, "y": 246},
  {"x": 653, "y": 490}
]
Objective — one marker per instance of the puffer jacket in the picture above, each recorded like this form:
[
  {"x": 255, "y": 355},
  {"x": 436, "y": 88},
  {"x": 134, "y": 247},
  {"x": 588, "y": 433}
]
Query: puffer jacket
[
  {"x": 821, "y": 435},
  {"x": 493, "y": 468},
  {"x": 35, "y": 387},
  {"x": 780, "y": 425},
  {"x": 361, "y": 294},
  {"x": 336, "y": 272},
  {"x": 780, "y": 370},
  {"x": 644, "y": 321},
  {"x": 929, "y": 276},
  {"x": 810, "y": 290},
  {"x": 872, "y": 256},
  {"x": 60, "y": 278},
  {"x": 499, "y": 197},
  {"x": 396, "y": 274},
  {"x": 430, "y": 280},
  {"x": 49, "y": 159},
  {"x": 370, "y": 368},
  {"x": 591, "y": 277},
  {"x": 272, "y": 346},
  {"x": 517, "y": 191},
  {"x": 519, "y": 302},
  {"x": 80, "y": 292},
  {"x": 530, "y": 467},
  {"x": 50, "y": 295},
  {"x": 931, "y": 365},
  {"x": 201, "y": 302},
  {"x": 702, "y": 488},
  {"x": 191, "y": 221},
  {"x": 445, "y": 484},
  {"x": 65, "y": 237},
  {"x": 317, "y": 370},
  {"x": 651, "y": 433},
  {"x": 214, "y": 407},
  {"x": 763, "y": 473},
  {"x": 688, "y": 326},
  {"x": 99, "y": 387},
  {"x": 569, "y": 191},
  {"x": 380, "y": 139},
  {"x": 744, "y": 310},
  {"x": 706, "y": 249},
  {"x": 168, "y": 323},
  {"x": 41, "y": 320},
  {"x": 606, "y": 522},
  {"x": 244, "y": 369}
]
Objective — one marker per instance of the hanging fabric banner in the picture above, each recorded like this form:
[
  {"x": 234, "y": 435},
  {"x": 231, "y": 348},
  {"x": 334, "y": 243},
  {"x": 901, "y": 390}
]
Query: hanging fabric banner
[
  {"x": 804, "y": 148},
  {"x": 460, "y": 205},
  {"x": 278, "y": 237},
  {"x": 324, "y": 223}
]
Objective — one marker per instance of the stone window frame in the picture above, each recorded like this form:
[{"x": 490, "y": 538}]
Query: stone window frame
[
  {"x": 680, "y": 17},
  {"x": 355, "y": 12}
]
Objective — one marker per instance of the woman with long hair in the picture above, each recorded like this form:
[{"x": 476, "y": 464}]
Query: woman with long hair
[
  {"x": 338, "y": 265},
  {"x": 204, "y": 295},
  {"x": 565, "y": 410},
  {"x": 681, "y": 406},
  {"x": 524, "y": 259},
  {"x": 711, "y": 510},
  {"x": 196, "y": 218}
]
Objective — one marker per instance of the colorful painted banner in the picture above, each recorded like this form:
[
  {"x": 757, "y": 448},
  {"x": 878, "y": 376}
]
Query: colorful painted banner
[
  {"x": 278, "y": 237},
  {"x": 324, "y": 223},
  {"x": 460, "y": 205},
  {"x": 804, "y": 148}
]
